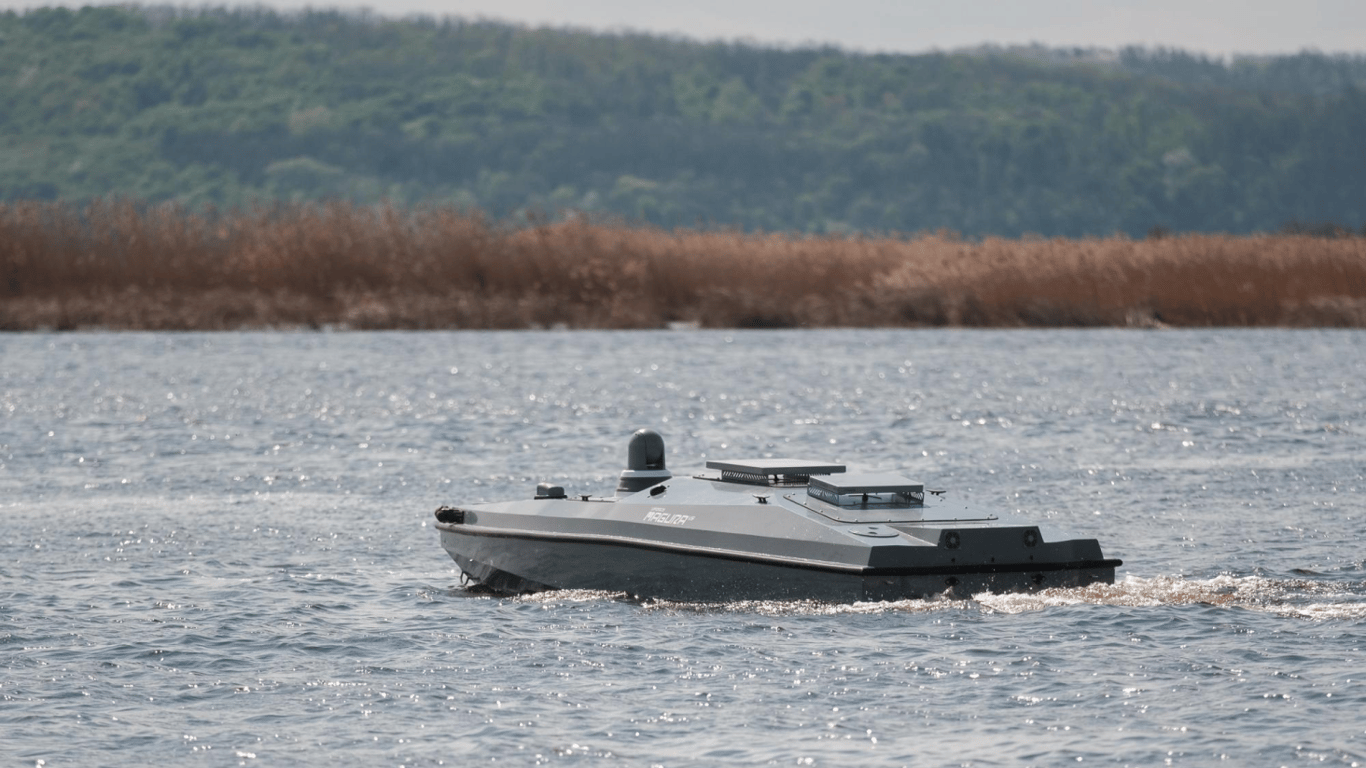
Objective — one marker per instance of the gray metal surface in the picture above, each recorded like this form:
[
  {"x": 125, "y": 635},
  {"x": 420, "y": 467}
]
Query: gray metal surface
[
  {"x": 717, "y": 539},
  {"x": 871, "y": 483},
  {"x": 775, "y": 466}
]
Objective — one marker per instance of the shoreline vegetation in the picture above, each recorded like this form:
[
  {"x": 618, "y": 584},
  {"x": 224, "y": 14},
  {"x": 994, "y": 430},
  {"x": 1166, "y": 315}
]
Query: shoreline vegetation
[
  {"x": 123, "y": 266},
  {"x": 227, "y": 106}
]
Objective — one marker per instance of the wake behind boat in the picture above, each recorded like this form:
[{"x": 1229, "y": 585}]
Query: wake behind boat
[{"x": 760, "y": 529}]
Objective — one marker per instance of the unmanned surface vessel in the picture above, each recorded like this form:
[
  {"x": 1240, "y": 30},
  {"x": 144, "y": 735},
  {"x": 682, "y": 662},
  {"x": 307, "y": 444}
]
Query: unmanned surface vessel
[{"x": 760, "y": 529}]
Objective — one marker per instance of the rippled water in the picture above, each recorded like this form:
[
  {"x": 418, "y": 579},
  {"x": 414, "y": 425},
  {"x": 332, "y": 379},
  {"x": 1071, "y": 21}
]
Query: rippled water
[{"x": 217, "y": 549}]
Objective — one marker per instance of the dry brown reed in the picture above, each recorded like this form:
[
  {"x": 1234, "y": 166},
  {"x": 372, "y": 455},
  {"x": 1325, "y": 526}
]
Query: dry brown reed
[{"x": 120, "y": 265}]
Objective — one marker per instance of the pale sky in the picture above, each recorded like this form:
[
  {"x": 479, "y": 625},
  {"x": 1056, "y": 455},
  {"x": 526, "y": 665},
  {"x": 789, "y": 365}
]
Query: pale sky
[{"x": 1209, "y": 26}]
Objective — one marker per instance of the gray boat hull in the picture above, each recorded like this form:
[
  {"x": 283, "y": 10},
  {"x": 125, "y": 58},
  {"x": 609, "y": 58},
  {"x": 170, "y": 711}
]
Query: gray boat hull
[
  {"x": 533, "y": 564},
  {"x": 763, "y": 529}
]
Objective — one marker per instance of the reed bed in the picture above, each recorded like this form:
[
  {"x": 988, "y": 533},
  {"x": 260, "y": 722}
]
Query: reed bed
[{"x": 119, "y": 265}]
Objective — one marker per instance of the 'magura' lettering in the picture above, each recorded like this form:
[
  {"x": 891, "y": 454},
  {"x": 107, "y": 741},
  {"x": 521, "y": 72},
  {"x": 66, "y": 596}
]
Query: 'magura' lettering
[{"x": 659, "y": 515}]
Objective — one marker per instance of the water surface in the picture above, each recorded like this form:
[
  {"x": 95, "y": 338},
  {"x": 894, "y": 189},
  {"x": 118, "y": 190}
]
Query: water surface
[{"x": 217, "y": 549}]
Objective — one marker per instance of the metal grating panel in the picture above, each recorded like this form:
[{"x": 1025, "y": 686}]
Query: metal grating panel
[{"x": 771, "y": 471}]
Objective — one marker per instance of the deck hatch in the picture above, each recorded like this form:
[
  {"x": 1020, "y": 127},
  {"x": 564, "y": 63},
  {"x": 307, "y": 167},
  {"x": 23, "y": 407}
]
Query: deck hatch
[
  {"x": 871, "y": 490},
  {"x": 773, "y": 471}
]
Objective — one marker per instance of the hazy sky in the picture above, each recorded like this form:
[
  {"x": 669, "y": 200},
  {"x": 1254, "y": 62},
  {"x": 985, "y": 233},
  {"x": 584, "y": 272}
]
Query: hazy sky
[{"x": 1211, "y": 26}]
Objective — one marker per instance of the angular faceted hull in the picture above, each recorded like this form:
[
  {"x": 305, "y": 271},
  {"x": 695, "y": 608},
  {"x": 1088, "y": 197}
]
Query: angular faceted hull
[
  {"x": 760, "y": 529},
  {"x": 514, "y": 564},
  {"x": 709, "y": 539}
]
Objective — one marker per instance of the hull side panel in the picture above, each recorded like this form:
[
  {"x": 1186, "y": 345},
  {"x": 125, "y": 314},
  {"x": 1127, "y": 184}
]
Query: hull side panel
[{"x": 516, "y": 564}]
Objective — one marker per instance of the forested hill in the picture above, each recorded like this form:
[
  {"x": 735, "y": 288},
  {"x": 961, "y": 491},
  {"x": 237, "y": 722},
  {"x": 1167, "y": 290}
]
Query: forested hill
[{"x": 231, "y": 107}]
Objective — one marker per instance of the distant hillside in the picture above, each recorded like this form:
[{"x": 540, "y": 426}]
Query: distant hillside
[{"x": 232, "y": 107}]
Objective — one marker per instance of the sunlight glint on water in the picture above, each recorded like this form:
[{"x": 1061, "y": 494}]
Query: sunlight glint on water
[{"x": 219, "y": 548}]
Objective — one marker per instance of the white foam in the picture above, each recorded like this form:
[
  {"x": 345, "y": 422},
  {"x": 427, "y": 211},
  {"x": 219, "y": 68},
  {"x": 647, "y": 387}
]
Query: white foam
[
  {"x": 1279, "y": 596},
  {"x": 1284, "y": 597}
]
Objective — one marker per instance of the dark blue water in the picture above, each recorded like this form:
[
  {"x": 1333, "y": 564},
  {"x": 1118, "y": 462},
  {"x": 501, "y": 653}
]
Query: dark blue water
[{"x": 217, "y": 549}]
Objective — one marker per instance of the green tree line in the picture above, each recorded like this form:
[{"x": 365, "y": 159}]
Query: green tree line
[{"x": 233, "y": 108}]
